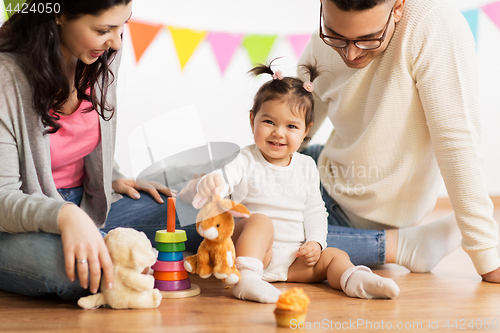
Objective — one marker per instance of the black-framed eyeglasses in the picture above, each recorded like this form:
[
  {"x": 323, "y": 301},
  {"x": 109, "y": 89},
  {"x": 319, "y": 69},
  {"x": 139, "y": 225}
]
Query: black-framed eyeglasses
[{"x": 364, "y": 44}]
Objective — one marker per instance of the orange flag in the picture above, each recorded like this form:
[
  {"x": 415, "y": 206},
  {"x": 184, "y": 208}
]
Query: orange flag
[{"x": 142, "y": 35}]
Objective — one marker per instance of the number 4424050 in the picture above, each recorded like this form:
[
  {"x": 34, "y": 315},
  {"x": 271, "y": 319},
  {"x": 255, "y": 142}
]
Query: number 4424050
[{"x": 24, "y": 8}]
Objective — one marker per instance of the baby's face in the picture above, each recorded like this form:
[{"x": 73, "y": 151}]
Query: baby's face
[{"x": 278, "y": 132}]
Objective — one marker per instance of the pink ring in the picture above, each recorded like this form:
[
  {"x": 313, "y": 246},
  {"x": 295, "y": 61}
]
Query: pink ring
[{"x": 168, "y": 266}]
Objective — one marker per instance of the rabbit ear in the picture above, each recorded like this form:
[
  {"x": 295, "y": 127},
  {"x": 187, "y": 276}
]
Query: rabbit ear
[
  {"x": 237, "y": 214},
  {"x": 199, "y": 201},
  {"x": 237, "y": 210}
]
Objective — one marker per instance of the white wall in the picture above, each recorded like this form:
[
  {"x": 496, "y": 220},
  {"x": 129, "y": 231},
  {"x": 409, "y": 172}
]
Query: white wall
[{"x": 488, "y": 46}]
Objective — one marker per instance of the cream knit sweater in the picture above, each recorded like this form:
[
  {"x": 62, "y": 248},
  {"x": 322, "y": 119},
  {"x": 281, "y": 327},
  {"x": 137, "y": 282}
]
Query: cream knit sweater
[{"x": 409, "y": 115}]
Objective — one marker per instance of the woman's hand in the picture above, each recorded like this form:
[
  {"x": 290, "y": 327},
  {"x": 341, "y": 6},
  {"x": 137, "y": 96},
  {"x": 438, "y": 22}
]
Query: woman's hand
[
  {"x": 131, "y": 187},
  {"x": 82, "y": 241},
  {"x": 310, "y": 252}
]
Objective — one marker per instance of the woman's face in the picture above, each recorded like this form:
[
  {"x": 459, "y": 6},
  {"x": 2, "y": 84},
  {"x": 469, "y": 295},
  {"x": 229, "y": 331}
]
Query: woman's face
[{"x": 89, "y": 36}]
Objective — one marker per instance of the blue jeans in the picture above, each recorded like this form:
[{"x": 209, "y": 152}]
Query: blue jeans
[
  {"x": 33, "y": 263},
  {"x": 364, "y": 247}
]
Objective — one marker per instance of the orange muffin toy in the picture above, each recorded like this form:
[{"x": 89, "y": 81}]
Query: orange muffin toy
[{"x": 292, "y": 305}]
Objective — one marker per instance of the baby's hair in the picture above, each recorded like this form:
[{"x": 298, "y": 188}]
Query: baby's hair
[{"x": 292, "y": 90}]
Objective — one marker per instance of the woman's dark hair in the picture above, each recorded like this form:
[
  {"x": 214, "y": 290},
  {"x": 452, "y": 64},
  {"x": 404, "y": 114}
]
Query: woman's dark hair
[
  {"x": 355, "y": 5},
  {"x": 287, "y": 89},
  {"x": 35, "y": 35}
]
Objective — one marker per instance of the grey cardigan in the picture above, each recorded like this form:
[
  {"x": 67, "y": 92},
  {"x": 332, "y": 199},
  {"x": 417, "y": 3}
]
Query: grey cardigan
[{"x": 29, "y": 201}]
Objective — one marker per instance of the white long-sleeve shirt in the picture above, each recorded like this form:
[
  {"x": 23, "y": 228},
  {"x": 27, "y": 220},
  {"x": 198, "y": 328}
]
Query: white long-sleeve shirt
[
  {"x": 408, "y": 116},
  {"x": 289, "y": 196}
]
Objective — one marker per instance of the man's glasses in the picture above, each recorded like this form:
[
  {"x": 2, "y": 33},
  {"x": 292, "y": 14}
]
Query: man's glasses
[{"x": 364, "y": 44}]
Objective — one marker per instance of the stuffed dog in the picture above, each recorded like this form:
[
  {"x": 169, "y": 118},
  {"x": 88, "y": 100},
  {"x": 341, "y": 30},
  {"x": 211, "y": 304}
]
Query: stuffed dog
[
  {"x": 216, "y": 252},
  {"x": 131, "y": 253}
]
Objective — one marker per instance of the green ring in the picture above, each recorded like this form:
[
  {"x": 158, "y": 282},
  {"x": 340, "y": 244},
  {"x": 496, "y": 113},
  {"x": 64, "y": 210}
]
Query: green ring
[
  {"x": 162, "y": 236},
  {"x": 171, "y": 247}
]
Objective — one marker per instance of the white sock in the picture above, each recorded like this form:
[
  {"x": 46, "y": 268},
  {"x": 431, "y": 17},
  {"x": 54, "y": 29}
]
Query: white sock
[
  {"x": 360, "y": 281},
  {"x": 251, "y": 286},
  {"x": 422, "y": 247}
]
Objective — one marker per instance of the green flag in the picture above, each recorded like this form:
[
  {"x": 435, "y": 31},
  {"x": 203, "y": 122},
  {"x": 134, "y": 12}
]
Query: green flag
[
  {"x": 258, "y": 47},
  {"x": 13, "y": 6}
]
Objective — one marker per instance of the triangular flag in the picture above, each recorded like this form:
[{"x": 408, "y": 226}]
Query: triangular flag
[
  {"x": 472, "y": 17},
  {"x": 224, "y": 46},
  {"x": 186, "y": 41},
  {"x": 258, "y": 47},
  {"x": 299, "y": 43},
  {"x": 142, "y": 35},
  {"x": 493, "y": 11},
  {"x": 12, "y": 7}
]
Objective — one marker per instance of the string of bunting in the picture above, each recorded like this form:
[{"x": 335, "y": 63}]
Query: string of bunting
[
  {"x": 224, "y": 45},
  {"x": 258, "y": 47}
]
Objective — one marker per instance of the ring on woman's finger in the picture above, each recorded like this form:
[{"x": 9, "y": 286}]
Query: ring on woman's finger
[{"x": 81, "y": 261}]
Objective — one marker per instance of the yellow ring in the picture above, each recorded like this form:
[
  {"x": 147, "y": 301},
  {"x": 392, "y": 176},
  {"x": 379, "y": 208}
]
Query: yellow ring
[{"x": 163, "y": 236}]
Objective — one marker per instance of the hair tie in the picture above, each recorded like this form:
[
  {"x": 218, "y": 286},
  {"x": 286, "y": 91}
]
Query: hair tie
[
  {"x": 278, "y": 75},
  {"x": 308, "y": 86}
]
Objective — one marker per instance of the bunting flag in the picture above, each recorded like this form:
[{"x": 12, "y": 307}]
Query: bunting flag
[
  {"x": 493, "y": 12},
  {"x": 299, "y": 43},
  {"x": 224, "y": 45},
  {"x": 472, "y": 17},
  {"x": 12, "y": 6},
  {"x": 186, "y": 41},
  {"x": 142, "y": 35},
  {"x": 258, "y": 47}
]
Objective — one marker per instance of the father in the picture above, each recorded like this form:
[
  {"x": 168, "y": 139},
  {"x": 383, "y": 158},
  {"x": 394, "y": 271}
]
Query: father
[{"x": 399, "y": 84}]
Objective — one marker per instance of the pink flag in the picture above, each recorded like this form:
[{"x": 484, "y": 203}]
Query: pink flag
[
  {"x": 224, "y": 46},
  {"x": 493, "y": 12},
  {"x": 299, "y": 43}
]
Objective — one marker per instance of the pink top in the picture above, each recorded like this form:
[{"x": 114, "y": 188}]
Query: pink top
[{"x": 79, "y": 135}]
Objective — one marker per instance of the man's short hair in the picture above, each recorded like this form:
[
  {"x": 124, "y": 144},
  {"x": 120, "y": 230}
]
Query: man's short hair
[{"x": 355, "y": 5}]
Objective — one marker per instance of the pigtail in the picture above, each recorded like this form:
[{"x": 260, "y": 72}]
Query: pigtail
[
  {"x": 313, "y": 72},
  {"x": 262, "y": 69},
  {"x": 266, "y": 69}
]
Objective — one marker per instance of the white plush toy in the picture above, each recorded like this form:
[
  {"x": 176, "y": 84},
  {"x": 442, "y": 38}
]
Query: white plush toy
[{"x": 131, "y": 253}]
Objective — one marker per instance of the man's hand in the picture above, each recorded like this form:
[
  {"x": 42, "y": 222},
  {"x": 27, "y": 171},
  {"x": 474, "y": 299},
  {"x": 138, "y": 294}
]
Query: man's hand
[{"x": 493, "y": 276}]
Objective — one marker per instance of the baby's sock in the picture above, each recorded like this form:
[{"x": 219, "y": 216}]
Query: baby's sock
[
  {"x": 360, "y": 281},
  {"x": 422, "y": 247},
  {"x": 251, "y": 286}
]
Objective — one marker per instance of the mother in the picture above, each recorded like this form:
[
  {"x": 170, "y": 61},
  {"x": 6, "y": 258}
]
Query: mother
[{"x": 58, "y": 181}]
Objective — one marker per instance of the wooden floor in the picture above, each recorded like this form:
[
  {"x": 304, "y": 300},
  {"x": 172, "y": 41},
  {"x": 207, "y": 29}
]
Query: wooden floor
[{"x": 450, "y": 298}]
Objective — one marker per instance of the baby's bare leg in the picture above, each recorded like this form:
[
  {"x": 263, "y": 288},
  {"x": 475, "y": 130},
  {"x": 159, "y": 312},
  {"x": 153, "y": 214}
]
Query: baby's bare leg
[
  {"x": 330, "y": 266},
  {"x": 253, "y": 238},
  {"x": 356, "y": 281}
]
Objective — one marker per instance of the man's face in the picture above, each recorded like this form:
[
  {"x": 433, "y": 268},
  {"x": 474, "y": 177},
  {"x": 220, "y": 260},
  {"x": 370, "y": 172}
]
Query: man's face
[{"x": 357, "y": 25}]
